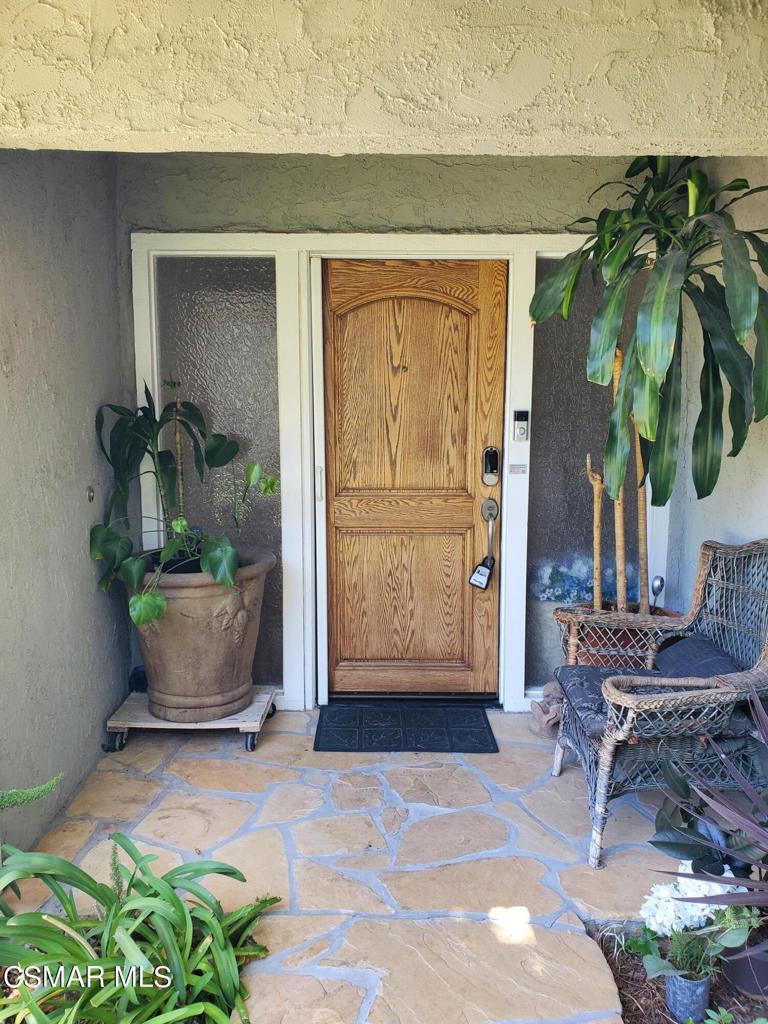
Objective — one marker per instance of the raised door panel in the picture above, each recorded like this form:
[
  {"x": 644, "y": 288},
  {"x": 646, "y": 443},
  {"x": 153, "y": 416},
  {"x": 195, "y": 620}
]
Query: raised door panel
[{"x": 402, "y": 376}]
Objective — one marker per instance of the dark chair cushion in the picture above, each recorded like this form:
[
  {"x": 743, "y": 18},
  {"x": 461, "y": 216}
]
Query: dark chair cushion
[
  {"x": 694, "y": 656},
  {"x": 582, "y": 687}
]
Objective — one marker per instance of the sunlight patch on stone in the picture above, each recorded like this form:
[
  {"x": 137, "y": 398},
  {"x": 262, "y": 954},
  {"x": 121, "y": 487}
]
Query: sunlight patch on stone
[{"x": 512, "y": 926}]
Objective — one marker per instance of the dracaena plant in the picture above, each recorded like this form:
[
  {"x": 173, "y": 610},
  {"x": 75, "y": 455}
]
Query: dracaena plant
[
  {"x": 137, "y": 435},
  {"x": 677, "y": 232}
]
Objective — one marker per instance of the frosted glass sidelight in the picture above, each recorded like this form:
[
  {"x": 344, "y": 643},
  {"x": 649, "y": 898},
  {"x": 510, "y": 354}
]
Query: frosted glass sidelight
[
  {"x": 569, "y": 418},
  {"x": 217, "y": 335}
]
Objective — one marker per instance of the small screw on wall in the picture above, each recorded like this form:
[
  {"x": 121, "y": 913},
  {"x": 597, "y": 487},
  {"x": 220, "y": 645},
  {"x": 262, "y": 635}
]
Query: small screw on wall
[{"x": 90, "y": 493}]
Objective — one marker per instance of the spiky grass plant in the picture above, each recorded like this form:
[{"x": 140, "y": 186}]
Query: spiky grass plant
[{"x": 170, "y": 921}]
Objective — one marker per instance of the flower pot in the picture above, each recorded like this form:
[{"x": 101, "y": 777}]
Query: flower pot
[
  {"x": 687, "y": 998},
  {"x": 748, "y": 974},
  {"x": 198, "y": 655}
]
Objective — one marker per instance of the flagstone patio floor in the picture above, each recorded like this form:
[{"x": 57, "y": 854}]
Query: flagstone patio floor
[{"x": 415, "y": 888}]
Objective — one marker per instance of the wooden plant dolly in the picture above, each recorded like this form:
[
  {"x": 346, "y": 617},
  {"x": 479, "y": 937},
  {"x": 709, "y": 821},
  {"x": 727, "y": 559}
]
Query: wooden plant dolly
[{"x": 134, "y": 713}]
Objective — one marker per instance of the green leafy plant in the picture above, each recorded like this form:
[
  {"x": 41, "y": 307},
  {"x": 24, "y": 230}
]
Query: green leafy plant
[
  {"x": 148, "y": 922},
  {"x": 689, "y": 954},
  {"x": 718, "y": 1016},
  {"x": 674, "y": 230},
  {"x": 736, "y": 827},
  {"x": 137, "y": 435},
  {"x": 684, "y": 831}
]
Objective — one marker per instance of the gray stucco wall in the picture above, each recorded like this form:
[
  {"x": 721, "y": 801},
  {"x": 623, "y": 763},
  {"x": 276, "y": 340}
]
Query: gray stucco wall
[
  {"x": 737, "y": 511},
  {"x": 213, "y": 192},
  {"x": 63, "y": 644}
]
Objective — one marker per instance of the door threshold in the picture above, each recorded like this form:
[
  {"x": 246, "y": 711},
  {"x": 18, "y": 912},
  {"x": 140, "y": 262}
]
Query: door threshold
[{"x": 488, "y": 700}]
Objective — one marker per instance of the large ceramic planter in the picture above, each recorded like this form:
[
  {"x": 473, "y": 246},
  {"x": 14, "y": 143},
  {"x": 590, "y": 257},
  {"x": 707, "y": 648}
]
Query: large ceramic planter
[
  {"x": 749, "y": 974},
  {"x": 687, "y": 998},
  {"x": 198, "y": 655}
]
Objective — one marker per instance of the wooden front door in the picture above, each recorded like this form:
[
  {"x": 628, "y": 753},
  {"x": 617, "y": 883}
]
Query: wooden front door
[{"x": 414, "y": 385}]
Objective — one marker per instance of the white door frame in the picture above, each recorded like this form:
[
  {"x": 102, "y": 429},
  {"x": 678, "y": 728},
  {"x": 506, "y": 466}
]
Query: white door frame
[{"x": 301, "y": 421}]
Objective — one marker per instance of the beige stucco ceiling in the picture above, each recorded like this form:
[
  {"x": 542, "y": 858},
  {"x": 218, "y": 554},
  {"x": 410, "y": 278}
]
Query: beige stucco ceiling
[{"x": 388, "y": 76}]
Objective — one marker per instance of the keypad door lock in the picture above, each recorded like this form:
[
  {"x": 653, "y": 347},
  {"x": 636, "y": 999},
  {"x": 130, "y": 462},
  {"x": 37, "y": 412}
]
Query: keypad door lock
[{"x": 491, "y": 467}]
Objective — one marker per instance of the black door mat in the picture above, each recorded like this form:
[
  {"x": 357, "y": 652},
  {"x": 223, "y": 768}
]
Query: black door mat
[{"x": 388, "y": 726}]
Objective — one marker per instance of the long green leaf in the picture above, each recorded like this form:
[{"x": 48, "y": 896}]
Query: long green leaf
[
  {"x": 645, "y": 404},
  {"x": 550, "y": 292},
  {"x": 617, "y": 443},
  {"x": 197, "y": 451},
  {"x": 659, "y": 314},
  {"x": 737, "y": 416},
  {"x": 613, "y": 263},
  {"x": 662, "y": 467},
  {"x": 760, "y": 370},
  {"x": 738, "y": 276},
  {"x": 606, "y": 325},
  {"x": 732, "y": 359},
  {"x": 708, "y": 432},
  {"x": 760, "y": 248},
  {"x": 166, "y": 469}
]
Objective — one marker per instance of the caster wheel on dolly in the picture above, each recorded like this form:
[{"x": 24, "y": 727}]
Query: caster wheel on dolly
[
  {"x": 115, "y": 743},
  {"x": 272, "y": 711},
  {"x": 250, "y": 741}
]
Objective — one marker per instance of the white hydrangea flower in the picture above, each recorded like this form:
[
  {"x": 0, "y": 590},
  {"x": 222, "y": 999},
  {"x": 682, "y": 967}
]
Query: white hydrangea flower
[{"x": 663, "y": 912}]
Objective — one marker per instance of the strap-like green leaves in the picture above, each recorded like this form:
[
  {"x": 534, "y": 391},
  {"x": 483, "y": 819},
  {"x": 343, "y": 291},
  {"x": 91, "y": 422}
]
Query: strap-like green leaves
[
  {"x": 607, "y": 324},
  {"x": 614, "y": 262},
  {"x": 738, "y": 275},
  {"x": 733, "y": 360},
  {"x": 551, "y": 291},
  {"x": 760, "y": 371},
  {"x": 658, "y": 315},
  {"x": 662, "y": 467},
  {"x": 708, "y": 432}
]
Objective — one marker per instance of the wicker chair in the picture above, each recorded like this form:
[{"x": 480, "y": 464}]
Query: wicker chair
[{"x": 648, "y": 718}]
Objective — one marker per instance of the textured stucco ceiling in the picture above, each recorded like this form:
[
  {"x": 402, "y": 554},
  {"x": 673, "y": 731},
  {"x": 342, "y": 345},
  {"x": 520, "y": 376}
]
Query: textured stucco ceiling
[{"x": 388, "y": 76}]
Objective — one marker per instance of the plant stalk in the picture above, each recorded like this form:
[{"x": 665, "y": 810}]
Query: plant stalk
[
  {"x": 598, "y": 484},
  {"x": 618, "y": 512},
  {"x": 179, "y": 458},
  {"x": 642, "y": 531}
]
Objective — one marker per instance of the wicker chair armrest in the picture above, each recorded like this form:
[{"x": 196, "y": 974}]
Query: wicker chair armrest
[
  {"x": 638, "y": 706},
  {"x": 621, "y": 621}
]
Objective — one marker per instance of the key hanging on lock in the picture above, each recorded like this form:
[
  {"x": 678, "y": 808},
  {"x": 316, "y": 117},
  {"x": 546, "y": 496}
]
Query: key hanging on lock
[{"x": 481, "y": 574}]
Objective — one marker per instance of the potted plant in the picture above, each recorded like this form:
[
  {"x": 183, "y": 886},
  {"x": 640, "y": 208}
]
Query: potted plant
[
  {"x": 196, "y": 607},
  {"x": 670, "y": 233},
  {"x": 686, "y": 962},
  {"x": 679, "y": 941},
  {"x": 740, "y": 930}
]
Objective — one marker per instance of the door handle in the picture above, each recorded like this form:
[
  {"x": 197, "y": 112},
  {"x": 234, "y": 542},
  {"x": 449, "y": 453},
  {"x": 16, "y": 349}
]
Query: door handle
[
  {"x": 481, "y": 575},
  {"x": 490, "y": 513}
]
